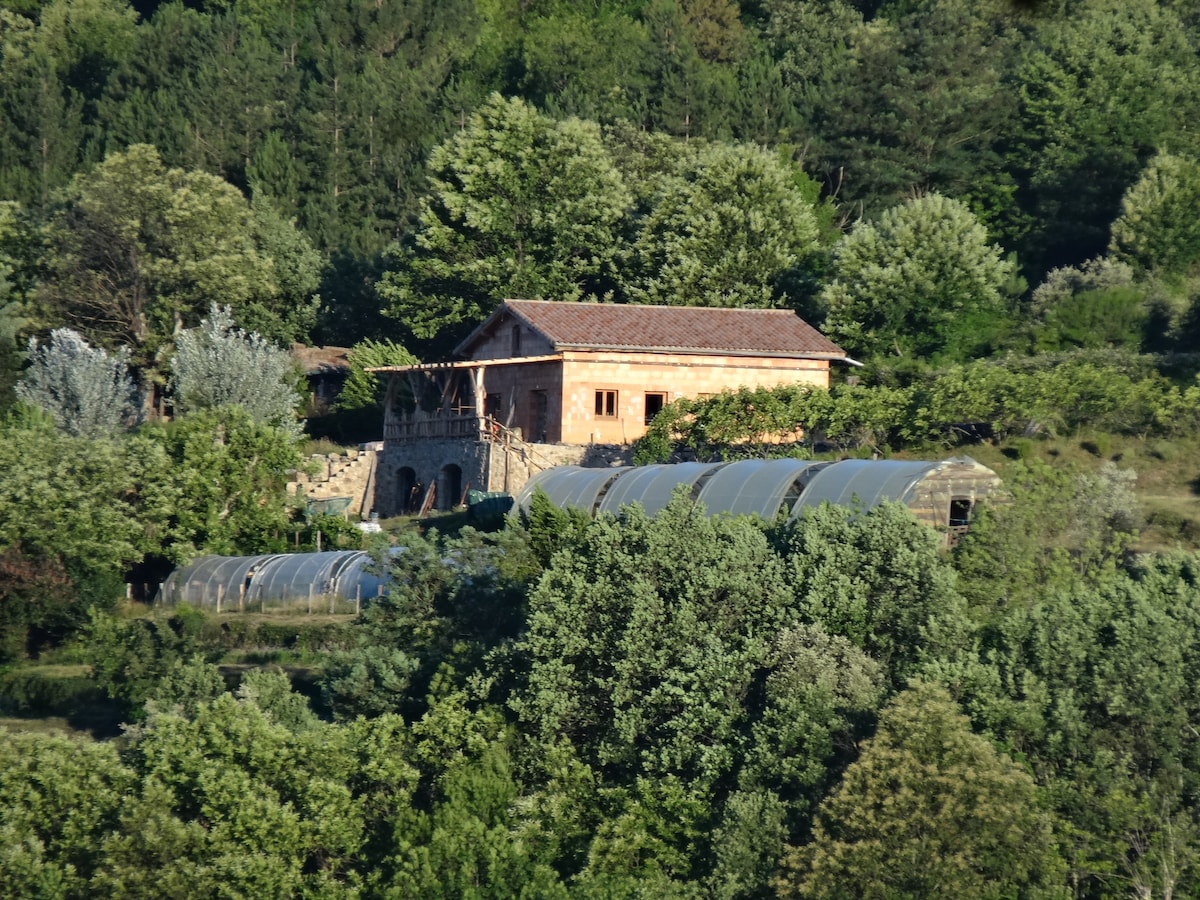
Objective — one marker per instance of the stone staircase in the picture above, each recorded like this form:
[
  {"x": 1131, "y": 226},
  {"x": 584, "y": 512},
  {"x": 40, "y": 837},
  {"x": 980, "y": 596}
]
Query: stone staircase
[{"x": 347, "y": 475}]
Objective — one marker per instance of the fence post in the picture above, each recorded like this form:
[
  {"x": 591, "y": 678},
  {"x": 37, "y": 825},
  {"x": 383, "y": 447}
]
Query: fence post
[{"x": 220, "y": 595}]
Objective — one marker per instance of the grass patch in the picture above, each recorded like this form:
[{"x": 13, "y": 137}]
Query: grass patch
[
  {"x": 1166, "y": 473},
  {"x": 323, "y": 446}
]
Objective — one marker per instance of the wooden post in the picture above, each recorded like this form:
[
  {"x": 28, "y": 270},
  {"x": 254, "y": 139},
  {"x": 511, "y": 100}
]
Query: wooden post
[
  {"x": 242, "y": 597},
  {"x": 220, "y": 595},
  {"x": 358, "y": 598},
  {"x": 310, "y": 587}
]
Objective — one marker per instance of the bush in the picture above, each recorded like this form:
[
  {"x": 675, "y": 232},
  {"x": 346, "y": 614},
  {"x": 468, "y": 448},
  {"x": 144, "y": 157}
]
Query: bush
[{"x": 1099, "y": 390}]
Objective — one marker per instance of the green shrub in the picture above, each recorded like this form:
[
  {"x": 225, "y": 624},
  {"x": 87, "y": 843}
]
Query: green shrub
[
  {"x": 1099, "y": 446},
  {"x": 1019, "y": 448},
  {"x": 303, "y": 637}
]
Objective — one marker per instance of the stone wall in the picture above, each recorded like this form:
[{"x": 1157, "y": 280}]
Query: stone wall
[
  {"x": 345, "y": 474},
  {"x": 406, "y": 469}
]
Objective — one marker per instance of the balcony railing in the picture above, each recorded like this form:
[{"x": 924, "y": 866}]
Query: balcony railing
[{"x": 470, "y": 428}]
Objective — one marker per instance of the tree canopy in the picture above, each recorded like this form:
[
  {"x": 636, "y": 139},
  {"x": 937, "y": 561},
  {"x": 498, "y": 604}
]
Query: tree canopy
[
  {"x": 521, "y": 206},
  {"x": 922, "y": 280}
]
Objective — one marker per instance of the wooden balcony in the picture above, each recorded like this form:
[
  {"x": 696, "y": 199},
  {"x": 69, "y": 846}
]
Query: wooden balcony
[{"x": 437, "y": 428}]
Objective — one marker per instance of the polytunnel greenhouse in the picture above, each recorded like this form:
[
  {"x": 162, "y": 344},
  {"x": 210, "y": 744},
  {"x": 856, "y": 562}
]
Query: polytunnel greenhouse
[
  {"x": 940, "y": 493},
  {"x": 329, "y": 581}
]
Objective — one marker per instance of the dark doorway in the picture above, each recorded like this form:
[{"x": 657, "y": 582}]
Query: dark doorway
[
  {"x": 408, "y": 499},
  {"x": 449, "y": 487},
  {"x": 960, "y": 512},
  {"x": 491, "y": 405},
  {"x": 541, "y": 417}
]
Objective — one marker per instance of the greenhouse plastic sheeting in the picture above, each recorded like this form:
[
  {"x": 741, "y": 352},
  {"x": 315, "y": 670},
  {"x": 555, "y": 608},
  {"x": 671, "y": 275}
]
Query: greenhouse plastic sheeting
[
  {"x": 757, "y": 486},
  {"x": 571, "y": 486},
  {"x": 864, "y": 483},
  {"x": 652, "y": 486},
  {"x": 281, "y": 579}
]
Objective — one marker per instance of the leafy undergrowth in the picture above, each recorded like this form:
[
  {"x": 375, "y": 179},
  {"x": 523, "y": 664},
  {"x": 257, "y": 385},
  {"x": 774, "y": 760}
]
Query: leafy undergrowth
[
  {"x": 1168, "y": 476},
  {"x": 59, "y": 693},
  {"x": 56, "y": 698}
]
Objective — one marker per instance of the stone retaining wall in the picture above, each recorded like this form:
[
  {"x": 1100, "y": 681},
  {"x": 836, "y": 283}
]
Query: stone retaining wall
[{"x": 407, "y": 469}]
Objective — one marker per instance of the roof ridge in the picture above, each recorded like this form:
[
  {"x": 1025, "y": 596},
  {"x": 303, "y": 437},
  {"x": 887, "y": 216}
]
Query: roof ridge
[{"x": 679, "y": 306}]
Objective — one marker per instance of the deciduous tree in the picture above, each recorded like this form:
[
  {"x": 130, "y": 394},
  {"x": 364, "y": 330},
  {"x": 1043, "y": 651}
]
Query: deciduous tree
[
  {"x": 1156, "y": 230},
  {"x": 140, "y": 251},
  {"x": 929, "y": 810},
  {"x": 922, "y": 280},
  {"x": 219, "y": 484},
  {"x": 519, "y": 206},
  {"x": 727, "y": 226}
]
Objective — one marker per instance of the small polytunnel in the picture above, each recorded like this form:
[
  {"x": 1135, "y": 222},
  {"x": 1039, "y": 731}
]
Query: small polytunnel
[{"x": 333, "y": 580}]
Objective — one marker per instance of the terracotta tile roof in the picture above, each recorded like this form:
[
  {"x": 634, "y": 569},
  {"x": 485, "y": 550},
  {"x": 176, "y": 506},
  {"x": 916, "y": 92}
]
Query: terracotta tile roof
[{"x": 677, "y": 329}]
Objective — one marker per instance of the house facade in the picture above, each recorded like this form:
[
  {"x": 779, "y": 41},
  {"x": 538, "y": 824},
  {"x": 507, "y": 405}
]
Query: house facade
[{"x": 540, "y": 382}]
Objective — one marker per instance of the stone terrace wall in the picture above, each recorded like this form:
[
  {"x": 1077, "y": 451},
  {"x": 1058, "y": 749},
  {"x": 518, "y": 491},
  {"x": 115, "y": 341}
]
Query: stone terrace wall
[{"x": 345, "y": 474}]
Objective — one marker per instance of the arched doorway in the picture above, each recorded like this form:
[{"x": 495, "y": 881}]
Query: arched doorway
[
  {"x": 408, "y": 500},
  {"x": 449, "y": 488}
]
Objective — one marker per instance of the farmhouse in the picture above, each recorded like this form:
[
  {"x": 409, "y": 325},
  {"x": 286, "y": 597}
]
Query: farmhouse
[{"x": 544, "y": 383}]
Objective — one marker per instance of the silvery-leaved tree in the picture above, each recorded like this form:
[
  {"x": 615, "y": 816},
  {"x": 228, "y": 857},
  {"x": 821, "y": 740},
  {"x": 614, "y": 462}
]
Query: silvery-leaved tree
[
  {"x": 87, "y": 391},
  {"x": 218, "y": 365}
]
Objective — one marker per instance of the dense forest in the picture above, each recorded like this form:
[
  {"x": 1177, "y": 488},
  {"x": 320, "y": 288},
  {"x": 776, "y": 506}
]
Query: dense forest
[
  {"x": 988, "y": 203},
  {"x": 367, "y": 180}
]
